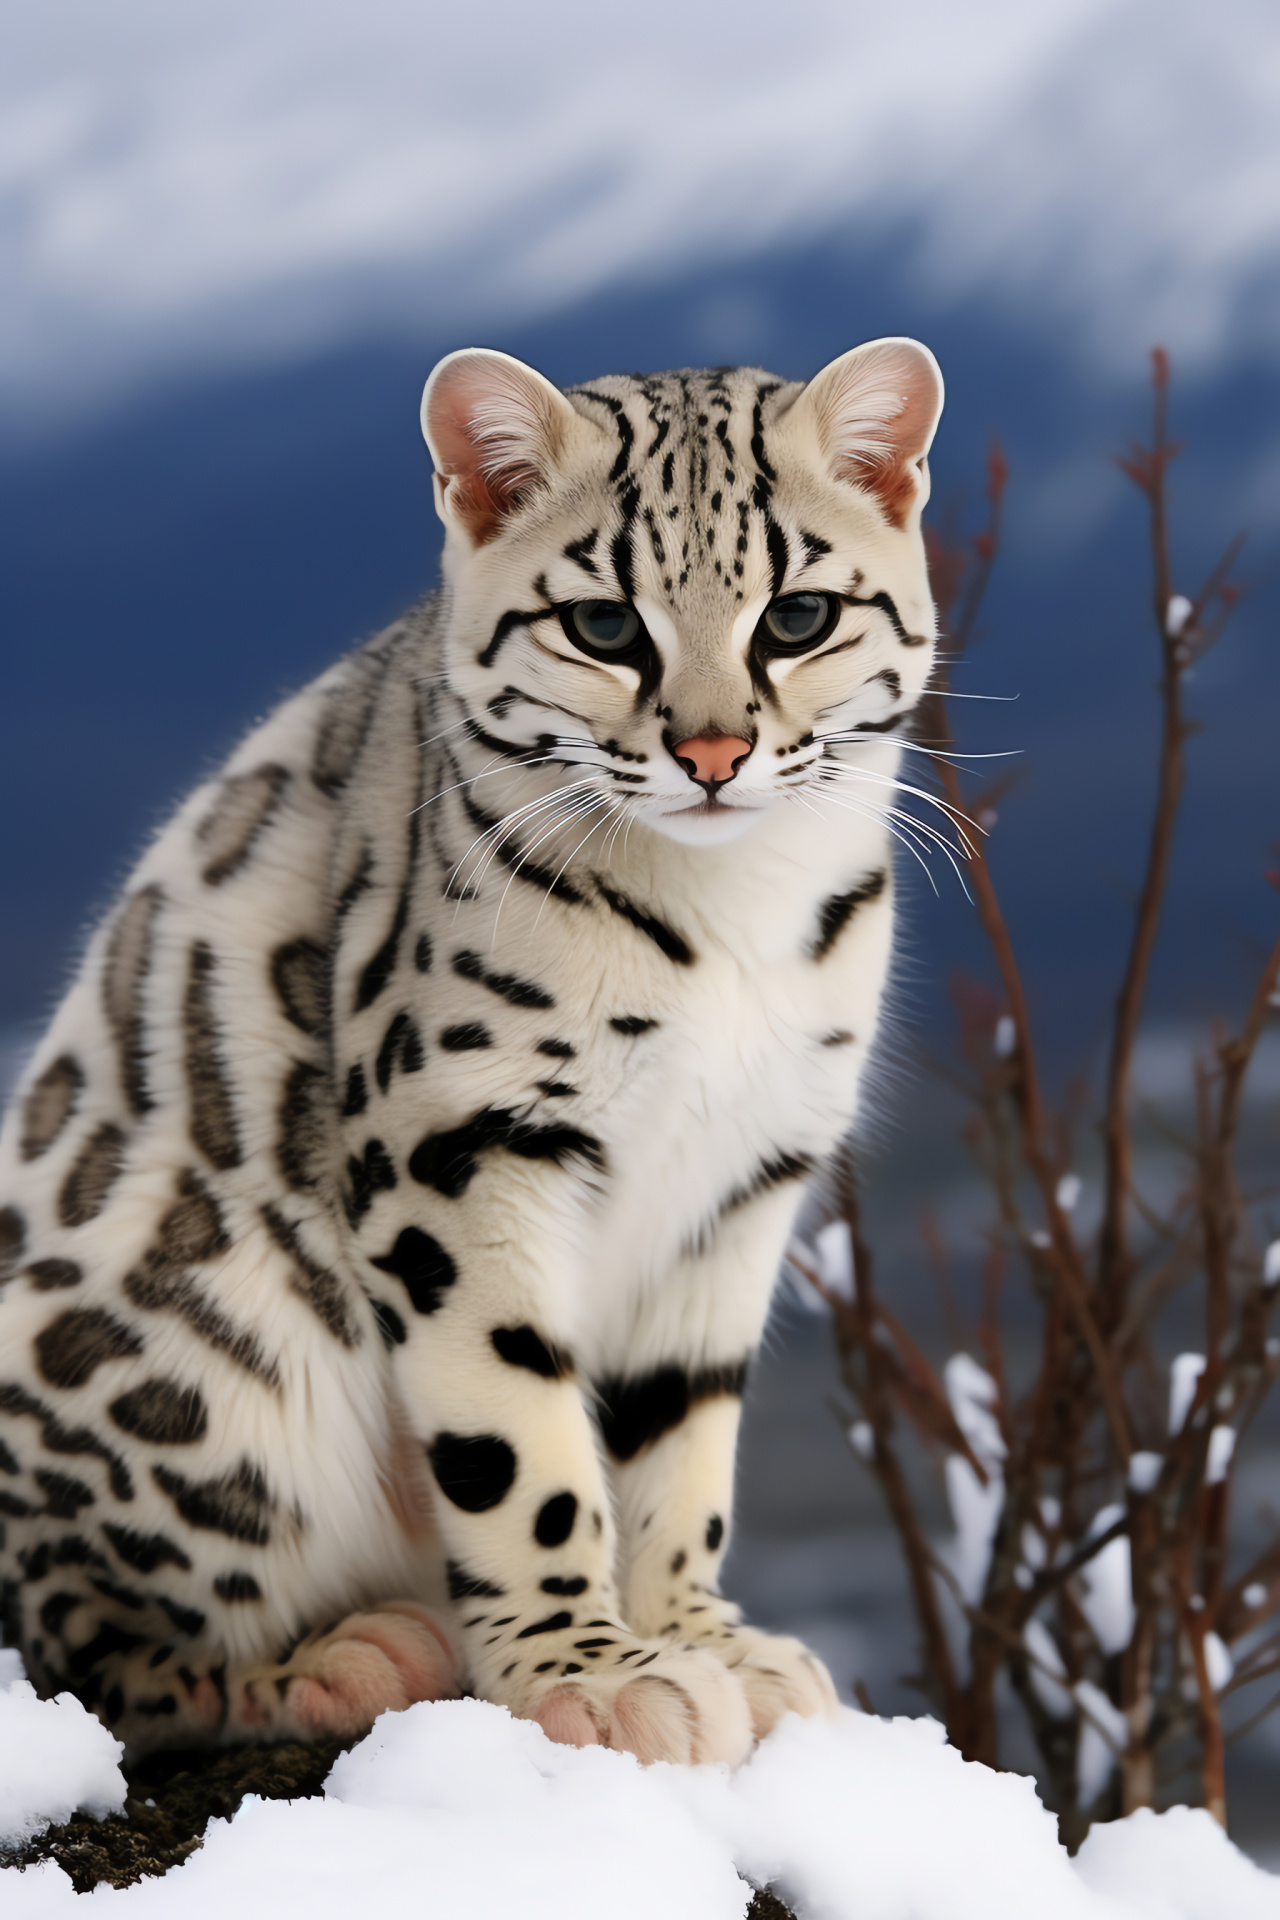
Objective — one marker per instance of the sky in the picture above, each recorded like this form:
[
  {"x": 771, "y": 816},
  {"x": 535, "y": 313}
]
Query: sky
[{"x": 234, "y": 237}]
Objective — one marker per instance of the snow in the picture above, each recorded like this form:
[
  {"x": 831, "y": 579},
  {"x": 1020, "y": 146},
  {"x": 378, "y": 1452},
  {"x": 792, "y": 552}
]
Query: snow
[
  {"x": 1184, "y": 1378},
  {"x": 1144, "y": 1471},
  {"x": 1068, "y": 1191},
  {"x": 1006, "y": 1036},
  {"x": 1222, "y": 1444},
  {"x": 458, "y": 1808},
  {"x": 975, "y": 1509},
  {"x": 1106, "y": 1589},
  {"x": 1271, "y": 1258},
  {"x": 54, "y": 1757},
  {"x": 1176, "y": 614},
  {"x": 834, "y": 1249}
]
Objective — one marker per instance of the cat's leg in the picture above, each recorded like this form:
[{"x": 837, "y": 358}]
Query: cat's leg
[
  {"x": 523, "y": 1506},
  {"x": 333, "y": 1682},
  {"x": 671, "y": 1428}
]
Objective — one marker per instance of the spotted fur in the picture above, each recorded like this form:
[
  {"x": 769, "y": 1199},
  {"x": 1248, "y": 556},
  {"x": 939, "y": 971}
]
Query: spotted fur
[{"x": 391, "y": 1212}]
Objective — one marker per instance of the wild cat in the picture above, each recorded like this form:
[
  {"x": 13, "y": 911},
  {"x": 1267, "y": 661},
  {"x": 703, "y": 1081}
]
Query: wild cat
[{"x": 393, "y": 1206}]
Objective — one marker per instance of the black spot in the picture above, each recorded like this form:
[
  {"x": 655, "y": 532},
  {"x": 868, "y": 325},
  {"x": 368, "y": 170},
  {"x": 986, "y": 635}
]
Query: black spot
[
  {"x": 390, "y": 1325},
  {"x": 300, "y": 975},
  {"x": 631, "y": 1024},
  {"x": 144, "y": 1552},
  {"x": 190, "y": 1233},
  {"x": 777, "y": 1172},
  {"x": 188, "y": 1620},
  {"x": 60, "y": 1439},
  {"x": 15, "y": 1508},
  {"x": 212, "y": 1119},
  {"x": 715, "y": 1532},
  {"x": 55, "y": 1609},
  {"x": 13, "y": 1238},
  {"x": 357, "y": 1094},
  {"x": 522, "y": 1347},
  {"x": 72, "y": 1347},
  {"x": 678, "y": 1561},
  {"x": 570, "y": 1589},
  {"x": 556, "y": 1049},
  {"x": 633, "y": 1413},
  {"x": 555, "y": 1520},
  {"x": 474, "y": 1471},
  {"x": 665, "y": 938},
  {"x": 124, "y": 979},
  {"x": 64, "y": 1496},
  {"x": 552, "y": 1624},
  {"x": 123, "y": 1596},
  {"x": 834, "y": 914},
  {"x": 447, "y": 1161},
  {"x": 242, "y": 810},
  {"x": 350, "y": 709},
  {"x": 50, "y": 1103},
  {"x": 838, "y": 1037},
  {"x": 506, "y": 625},
  {"x": 9, "y": 1462},
  {"x": 237, "y": 1504},
  {"x": 302, "y": 1137},
  {"x": 92, "y": 1175},
  {"x": 422, "y": 954},
  {"x": 373, "y": 1174},
  {"x": 470, "y": 1037},
  {"x": 517, "y": 992},
  {"x": 469, "y": 1586},
  {"x": 814, "y": 545},
  {"x": 162, "y": 1412},
  {"x": 377, "y": 971},
  {"x": 237, "y": 1586},
  {"x": 155, "y": 1709},
  {"x": 318, "y": 1285},
  {"x": 108, "y": 1640},
  {"x": 422, "y": 1263},
  {"x": 402, "y": 1047},
  {"x": 556, "y": 1089},
  {"x": 46, "y": 1276}
]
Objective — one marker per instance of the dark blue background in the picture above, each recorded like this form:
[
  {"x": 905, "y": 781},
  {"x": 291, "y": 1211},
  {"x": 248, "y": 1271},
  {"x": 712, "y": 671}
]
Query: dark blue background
[{"x": 176, "y": 564}]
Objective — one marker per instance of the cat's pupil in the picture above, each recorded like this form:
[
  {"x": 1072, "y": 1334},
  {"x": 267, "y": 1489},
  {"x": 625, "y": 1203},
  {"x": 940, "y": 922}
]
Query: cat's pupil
[
  {"x": 798, "y": 617},
  {"x": 608, "y": 624}
]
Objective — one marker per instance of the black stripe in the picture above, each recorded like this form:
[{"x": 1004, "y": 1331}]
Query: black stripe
[
  {"x": 626, "y": 436},
  {"x": 447, "y": 1161},
  {"x": 508, "y": 987},
  {"x": 633, "y": 1413},
  {"x": 509, "y": 621},
  {"x": 377, "y": 971},
  {"x": 492, "y": 743},
  {"x": 834, "y": 914},
  {"x": 525, "y": 1347},
  {"x": 777, "y": 1172},
  {"x": 758, "y": 453},
  {"x": 580, "y": 552},
  {"x": 885, "y": 603},
  {"x": 664, "y": 937},
  {"x": 517, "y": 862},
  {"x": 776, "y": 542}
]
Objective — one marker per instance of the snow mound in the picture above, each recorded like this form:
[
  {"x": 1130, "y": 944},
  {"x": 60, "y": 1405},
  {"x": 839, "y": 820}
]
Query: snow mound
[
  {"x": 54, "y": 1758},
  {"x": 457, "y": 1808}
]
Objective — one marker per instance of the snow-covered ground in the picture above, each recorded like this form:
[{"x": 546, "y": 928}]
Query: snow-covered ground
[{"x": 457, "y": 1808}]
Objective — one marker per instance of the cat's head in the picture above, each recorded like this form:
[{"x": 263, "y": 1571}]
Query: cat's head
[{"x": 685, "y": 587}]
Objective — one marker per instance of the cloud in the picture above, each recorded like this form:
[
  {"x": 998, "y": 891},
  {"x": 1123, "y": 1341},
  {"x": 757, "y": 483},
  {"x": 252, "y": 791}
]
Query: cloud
[{"x": 233, "y": 179}]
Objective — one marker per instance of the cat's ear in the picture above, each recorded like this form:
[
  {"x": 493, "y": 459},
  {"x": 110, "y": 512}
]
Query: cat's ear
[
  {"x": 495, "y": 429},
  {"x": 875, "y": 410}
]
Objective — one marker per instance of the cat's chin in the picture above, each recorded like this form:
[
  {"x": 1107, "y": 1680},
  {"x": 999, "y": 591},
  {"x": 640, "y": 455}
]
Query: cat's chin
[{"x": 707, "y": 826}]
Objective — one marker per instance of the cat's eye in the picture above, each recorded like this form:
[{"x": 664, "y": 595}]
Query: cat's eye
[
  {"x": 799, "y": 620},
  {"x": 606, "y": 629}
]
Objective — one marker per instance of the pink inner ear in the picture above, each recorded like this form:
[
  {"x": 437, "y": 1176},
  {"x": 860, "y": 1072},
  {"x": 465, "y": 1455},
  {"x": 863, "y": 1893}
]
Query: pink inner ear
[
  {"x": 878, "y": 423},
  {"x": 489, "y": 428}
]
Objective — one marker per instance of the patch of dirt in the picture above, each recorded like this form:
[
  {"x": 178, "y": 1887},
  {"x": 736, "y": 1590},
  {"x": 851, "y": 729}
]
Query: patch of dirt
[{"x": 187, "y": 1789}]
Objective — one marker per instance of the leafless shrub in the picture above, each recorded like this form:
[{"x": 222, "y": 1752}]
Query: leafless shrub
[{"x": 1092, "y": 1506}]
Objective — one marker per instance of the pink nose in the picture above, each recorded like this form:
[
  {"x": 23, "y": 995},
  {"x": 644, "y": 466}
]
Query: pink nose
[{"x": 712, "y": 758}]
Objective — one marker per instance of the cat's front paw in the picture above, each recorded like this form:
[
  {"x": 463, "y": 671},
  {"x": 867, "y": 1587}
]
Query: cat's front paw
[
  {"x": 338, "y": 1683},
  {"x": 778, "y": 1675},
  {"x": 685, "y": 1706}
]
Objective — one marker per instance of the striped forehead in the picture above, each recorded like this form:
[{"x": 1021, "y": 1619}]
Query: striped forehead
[{"x": 690, "y": 475}]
